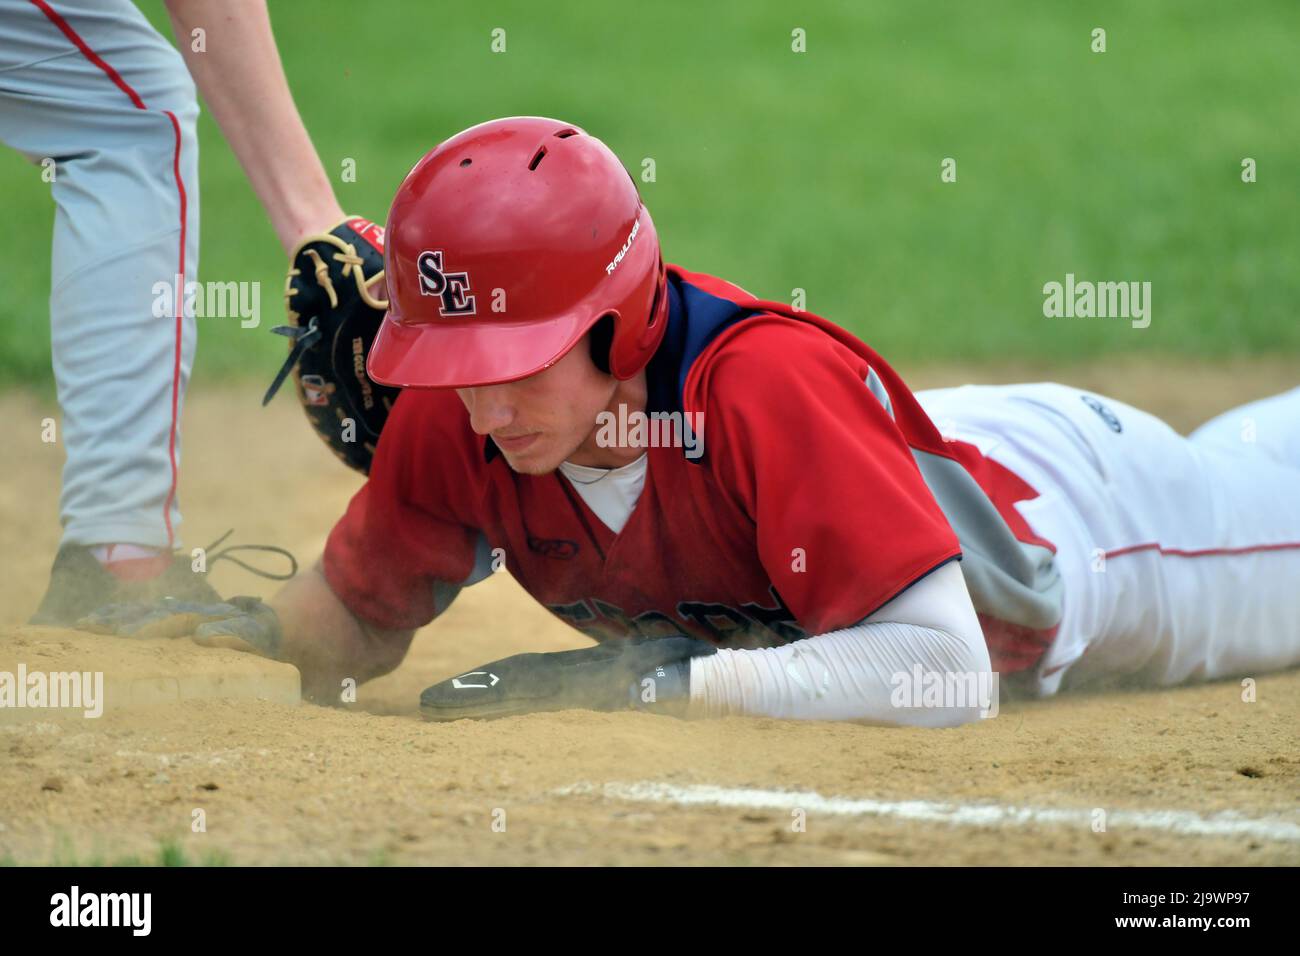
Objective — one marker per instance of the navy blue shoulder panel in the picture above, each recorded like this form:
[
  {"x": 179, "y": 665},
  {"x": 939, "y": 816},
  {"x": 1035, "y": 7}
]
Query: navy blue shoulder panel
[{"x": 695, "y": 318}]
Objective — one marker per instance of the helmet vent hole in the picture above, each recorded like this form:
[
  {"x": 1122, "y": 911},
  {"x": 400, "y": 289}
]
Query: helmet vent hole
[
  {"x": 537, "y": 159},
  {"x": 566, "y": 133},
  {"x": 465, "y": 162}
]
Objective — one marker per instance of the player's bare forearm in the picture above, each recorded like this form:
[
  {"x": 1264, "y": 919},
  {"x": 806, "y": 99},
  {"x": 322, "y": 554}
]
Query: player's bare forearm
[
  {"x": 327, "y": 642},
  {"x": 238, "y": 72},
  {"x": 305, "y": 624}
]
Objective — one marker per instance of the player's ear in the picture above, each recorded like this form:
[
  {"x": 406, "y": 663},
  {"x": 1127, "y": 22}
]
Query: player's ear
[{"x": 601, "y": 338}]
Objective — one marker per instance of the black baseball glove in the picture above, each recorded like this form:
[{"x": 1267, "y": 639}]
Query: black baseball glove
[
  {"x": 643, "y": 673},
  {"x": 334, "y": 315}
]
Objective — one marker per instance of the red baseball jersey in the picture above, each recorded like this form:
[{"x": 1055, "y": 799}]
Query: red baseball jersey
[{"x": 805, "y": 513}]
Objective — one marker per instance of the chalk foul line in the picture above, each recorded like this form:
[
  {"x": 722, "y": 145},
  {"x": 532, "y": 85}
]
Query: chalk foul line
[{"x": 1185, "y": 822}]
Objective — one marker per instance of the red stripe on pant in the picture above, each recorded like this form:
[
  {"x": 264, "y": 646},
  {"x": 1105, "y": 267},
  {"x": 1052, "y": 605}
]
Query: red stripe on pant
[{"x": 1202, "y": 552}]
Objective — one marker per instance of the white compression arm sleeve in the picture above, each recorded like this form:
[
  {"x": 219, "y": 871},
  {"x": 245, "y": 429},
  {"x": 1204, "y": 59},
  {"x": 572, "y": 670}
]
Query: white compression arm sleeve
[{"x": 870, "y": 671}]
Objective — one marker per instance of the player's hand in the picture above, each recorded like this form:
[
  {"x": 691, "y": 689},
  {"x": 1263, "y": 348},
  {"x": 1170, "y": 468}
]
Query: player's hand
[
  {"x": 641, "y": 672},
  {"x": 241, "y": 623}
]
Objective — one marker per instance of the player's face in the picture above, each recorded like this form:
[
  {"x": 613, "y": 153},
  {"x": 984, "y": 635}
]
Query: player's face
[{"x": 544, "y": 419}]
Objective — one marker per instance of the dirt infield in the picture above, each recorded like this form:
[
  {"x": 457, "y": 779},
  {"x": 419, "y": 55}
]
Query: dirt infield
[{"x": 1190, "y": 776}]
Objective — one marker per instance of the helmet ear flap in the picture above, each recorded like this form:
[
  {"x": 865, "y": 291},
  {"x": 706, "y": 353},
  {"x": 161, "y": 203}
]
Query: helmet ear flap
[{"x": 602, "y": 340}]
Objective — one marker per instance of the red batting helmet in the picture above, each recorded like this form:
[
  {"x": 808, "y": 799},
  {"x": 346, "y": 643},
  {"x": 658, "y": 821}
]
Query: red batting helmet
[{"x": 504, "y": 246}]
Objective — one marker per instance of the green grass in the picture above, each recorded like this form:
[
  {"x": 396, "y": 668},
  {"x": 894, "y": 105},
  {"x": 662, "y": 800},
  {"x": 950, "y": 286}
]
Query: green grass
[
  {"x": 821, "y": 170},
  {"x": 169, "y": 853}
]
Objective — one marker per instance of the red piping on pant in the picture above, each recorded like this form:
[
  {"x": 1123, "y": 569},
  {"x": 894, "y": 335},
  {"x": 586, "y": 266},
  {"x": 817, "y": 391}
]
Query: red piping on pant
[{"x": 1203, "y": 552}]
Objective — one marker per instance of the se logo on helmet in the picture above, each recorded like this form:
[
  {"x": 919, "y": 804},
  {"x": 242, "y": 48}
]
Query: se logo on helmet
[{"x": 451, "y": 287}]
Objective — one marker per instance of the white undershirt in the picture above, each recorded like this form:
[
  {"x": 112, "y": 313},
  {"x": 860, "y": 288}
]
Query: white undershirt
[
  {"x": 611, "y": 493},
  {"x": 849, "y": 674}
]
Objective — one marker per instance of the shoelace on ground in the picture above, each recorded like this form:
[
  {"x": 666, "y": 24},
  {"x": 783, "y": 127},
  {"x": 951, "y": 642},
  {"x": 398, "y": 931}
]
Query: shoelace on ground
[{"x": 225, "y": 555}]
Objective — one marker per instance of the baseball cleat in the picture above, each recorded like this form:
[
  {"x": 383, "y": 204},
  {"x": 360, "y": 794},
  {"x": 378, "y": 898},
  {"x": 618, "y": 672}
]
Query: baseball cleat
[{"x": 79, "y": 584}]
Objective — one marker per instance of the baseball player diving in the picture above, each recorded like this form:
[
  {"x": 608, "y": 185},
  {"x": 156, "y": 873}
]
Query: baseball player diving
[{"x": 742, "y": 504}]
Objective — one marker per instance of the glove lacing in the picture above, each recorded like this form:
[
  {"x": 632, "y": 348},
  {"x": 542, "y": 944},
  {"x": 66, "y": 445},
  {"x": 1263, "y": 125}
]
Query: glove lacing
[{"x": 305, "y": 338}]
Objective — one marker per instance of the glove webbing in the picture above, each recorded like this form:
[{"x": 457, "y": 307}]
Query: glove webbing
[{"x": 305, "y": 338}]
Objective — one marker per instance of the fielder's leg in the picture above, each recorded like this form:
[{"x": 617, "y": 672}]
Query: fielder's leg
[{"x": 91, "y": 87}]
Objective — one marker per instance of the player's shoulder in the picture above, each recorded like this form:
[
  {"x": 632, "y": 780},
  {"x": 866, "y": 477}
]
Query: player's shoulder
[
  {"x": 767, "y": 351},
  {"x": 744, "y": 330},
  {"x": 767, "y": 337},
  {"x": 714, "y": 286}
]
